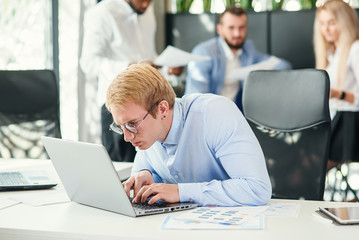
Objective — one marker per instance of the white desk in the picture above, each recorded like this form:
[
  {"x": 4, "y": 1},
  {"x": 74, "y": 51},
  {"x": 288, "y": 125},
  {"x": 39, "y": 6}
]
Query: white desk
[{"x": 75, "y": 221}]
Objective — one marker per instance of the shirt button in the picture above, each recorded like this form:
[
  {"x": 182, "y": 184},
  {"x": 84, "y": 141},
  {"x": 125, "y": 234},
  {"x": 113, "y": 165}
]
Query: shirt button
[{"x": 176, "y": 176}]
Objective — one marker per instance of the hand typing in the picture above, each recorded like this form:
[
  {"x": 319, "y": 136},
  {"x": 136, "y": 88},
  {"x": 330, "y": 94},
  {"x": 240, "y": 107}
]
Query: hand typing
[
  {"x": 158, "y": 191},
  {"x": 137, "y": 181}
]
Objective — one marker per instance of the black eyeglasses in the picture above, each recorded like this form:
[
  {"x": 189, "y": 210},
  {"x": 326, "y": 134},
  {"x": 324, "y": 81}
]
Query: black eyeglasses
[{"x": 129, "y": 126}]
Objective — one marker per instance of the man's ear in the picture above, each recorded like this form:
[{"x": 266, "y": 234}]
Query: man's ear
[
  {"x": 163, "y": 107},
  {"x": 219, "y": 29}
]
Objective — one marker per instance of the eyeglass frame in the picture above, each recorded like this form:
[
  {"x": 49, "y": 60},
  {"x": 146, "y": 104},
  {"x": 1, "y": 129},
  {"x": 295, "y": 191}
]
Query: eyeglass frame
[{"x": 118, "y": 128}]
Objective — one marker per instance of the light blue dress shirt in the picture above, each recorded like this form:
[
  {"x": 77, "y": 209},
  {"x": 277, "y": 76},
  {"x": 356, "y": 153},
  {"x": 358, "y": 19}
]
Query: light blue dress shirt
[
  {"x": 209, "y": 76},
  {"x": 211, "y": 152}
]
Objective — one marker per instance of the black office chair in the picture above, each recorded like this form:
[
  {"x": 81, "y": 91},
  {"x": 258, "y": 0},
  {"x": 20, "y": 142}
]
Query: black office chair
[
  {"x": 29, "y": 109},
  {"x": 289, "y": 113}
]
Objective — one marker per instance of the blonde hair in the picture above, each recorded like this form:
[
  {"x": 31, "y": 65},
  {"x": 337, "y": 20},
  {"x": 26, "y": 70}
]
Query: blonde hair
[
  {"x": 348, "y": 27},
  {"x": 141, "y": 84}
]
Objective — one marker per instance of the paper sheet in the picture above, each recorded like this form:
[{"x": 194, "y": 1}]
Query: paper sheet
[
  {"x": 175, "y": 57},
  {"x": 222, "y": 215},
  {"x": 5, "y": 203},
  {"x": 173, "y": 223},
  {"x": 243, "y": 72},
  {"x": 47, "y": 198}
]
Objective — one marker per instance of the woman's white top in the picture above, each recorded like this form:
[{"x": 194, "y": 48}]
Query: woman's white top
[{"x": 351, "y": 83}]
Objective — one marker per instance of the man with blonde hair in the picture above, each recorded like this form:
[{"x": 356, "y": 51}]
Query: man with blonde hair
[{"x": 195, "y": 149}]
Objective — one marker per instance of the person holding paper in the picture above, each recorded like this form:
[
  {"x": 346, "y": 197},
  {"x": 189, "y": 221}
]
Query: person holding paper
[
  {"x": 196, "y": 148},
  {"x": 232, "y": 58},
  {"x": 117, "y": 33},
  {"x": 336, "y": 45}
]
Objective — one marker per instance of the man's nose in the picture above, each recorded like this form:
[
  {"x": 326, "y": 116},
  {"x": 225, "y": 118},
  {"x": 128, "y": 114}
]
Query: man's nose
[
  {"x": 128, "y": 136},
  {"x": 236, "y": 32}
]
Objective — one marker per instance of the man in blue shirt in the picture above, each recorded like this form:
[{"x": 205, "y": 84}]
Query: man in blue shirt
[
  {"x": 230, "y": 53},
  {"x": 198, "y": 148}
]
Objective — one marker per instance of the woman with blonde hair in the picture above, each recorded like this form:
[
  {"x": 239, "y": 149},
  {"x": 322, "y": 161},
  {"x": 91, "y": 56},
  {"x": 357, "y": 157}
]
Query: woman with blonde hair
[{"x": 336, "y": 46}]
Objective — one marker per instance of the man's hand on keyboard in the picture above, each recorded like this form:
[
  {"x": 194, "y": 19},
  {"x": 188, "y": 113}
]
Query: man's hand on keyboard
[
  {"x": 158, "y": 191},
  {"x": 137, "y": 181}
]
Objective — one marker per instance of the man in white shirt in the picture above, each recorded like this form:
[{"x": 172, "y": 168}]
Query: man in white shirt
[{"x": 117, "y": 33}]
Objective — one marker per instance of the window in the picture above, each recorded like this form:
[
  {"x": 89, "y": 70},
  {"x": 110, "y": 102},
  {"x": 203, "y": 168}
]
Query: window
[{"x": 26, "y": 42}]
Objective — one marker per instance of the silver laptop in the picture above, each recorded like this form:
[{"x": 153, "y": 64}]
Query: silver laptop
[
  {"x": 90, "y": 178},
  {"x": 25, "y": 180}
]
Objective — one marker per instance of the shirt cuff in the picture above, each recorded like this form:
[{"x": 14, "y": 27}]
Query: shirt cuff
[
  {"x": 145, "y": 169},
  {"x": 190, "y": 192}
]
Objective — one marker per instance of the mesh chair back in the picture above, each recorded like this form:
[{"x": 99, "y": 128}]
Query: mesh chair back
[
  {"x": 29, "y": 109},
  {"x": 288, "y": 111}
]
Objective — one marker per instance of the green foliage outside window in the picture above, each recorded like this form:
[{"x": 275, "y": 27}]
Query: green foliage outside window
[
  {"x": 183, "y": 5},
  {"x": 207, "y": 5},
  {"x": 246, "y": 4},
  {"x": 276, "y": 4}
]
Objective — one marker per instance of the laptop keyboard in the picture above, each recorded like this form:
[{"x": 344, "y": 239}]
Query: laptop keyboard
[
  {"x": 146, "y": 206},
  {"x": 12, "y": 178}
]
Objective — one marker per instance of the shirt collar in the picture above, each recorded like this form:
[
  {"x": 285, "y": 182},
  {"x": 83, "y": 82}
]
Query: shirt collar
[{"x": 175, "y": 132}]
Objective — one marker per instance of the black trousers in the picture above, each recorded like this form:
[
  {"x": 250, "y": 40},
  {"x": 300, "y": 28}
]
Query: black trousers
[
  {"x": 116, "y": 146},
  {"x": 345, "y": 137}
]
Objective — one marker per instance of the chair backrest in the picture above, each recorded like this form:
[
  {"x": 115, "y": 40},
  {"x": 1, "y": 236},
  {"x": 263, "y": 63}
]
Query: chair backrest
[
  {"x": 289, "y": 113},
  {"x": 29, "y": 109}
]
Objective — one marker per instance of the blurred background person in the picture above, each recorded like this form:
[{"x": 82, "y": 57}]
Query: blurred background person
[
  {"x": 117, "y": 33},
  {"x": 336, "y": 45},
  {"x": 230, "y": 51}
]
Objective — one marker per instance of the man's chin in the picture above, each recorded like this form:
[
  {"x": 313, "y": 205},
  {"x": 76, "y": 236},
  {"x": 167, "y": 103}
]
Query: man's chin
[
  {"x": 236, "y": 46},
  {"x": 136, "y": 10},
  {"x": 141, "y": 147},
  {"x": 140, "y": 11}
]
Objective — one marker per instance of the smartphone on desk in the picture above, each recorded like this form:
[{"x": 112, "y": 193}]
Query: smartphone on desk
[{"x": 342, "y": 215}]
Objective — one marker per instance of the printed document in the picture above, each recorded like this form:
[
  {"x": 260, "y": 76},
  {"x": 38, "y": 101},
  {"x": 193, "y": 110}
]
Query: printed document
[
  {"x": 243, "y": 72},
  {"x": 175, "y": 57}
]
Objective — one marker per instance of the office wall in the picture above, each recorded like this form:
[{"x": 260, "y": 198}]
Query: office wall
[
  {"x": 291, "y": 37},
  {"x": 184, "y": 30},
  {"x": 160, "y": 14},
  {"x": 258, "y": 30}
]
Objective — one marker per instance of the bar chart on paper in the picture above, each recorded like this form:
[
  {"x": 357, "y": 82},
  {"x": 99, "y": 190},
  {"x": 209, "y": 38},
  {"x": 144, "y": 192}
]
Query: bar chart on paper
[{"x": 223, "y": 215}]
